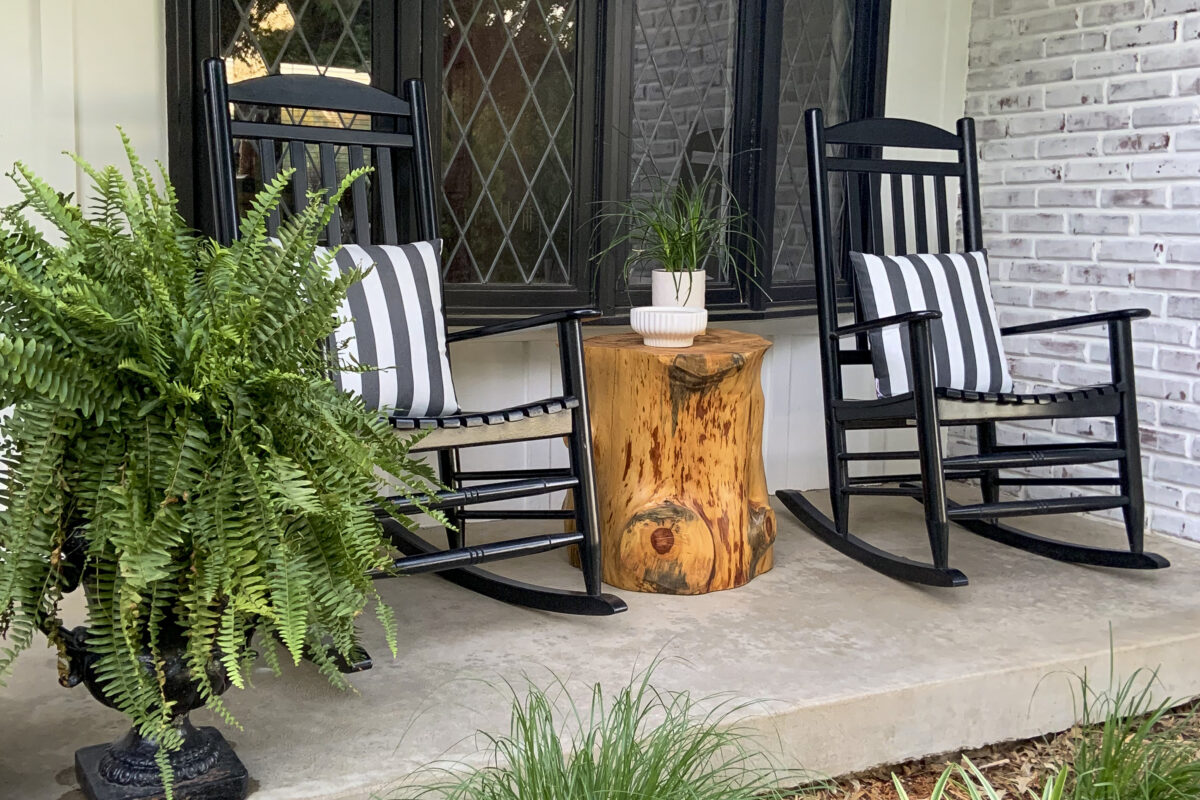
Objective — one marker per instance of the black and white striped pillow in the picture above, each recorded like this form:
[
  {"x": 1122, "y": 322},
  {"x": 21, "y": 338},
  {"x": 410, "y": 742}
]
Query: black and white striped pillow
[
  {"x": 393, "y": 320},
  {"x": 967, "y": 351}
]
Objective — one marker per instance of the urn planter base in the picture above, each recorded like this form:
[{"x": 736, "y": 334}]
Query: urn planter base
[{"x": 205, "y": 769}]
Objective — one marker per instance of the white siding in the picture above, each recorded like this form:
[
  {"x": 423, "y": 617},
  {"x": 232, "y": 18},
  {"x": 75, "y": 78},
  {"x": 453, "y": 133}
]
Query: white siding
[
  {"x": 74, "y": 70},
  {"x": 927, "y": 60}
]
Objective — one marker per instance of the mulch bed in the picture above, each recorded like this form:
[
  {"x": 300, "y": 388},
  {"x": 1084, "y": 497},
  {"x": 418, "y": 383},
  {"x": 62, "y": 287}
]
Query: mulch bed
[{"x": 1017, "y": 770}]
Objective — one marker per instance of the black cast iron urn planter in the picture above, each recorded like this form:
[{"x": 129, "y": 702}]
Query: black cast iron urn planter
[{"x": 205, "y": 767}]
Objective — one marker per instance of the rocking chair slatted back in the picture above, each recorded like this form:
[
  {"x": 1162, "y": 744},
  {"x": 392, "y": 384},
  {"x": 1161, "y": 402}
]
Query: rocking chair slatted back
[
  {"x": 883, "y": 217},
  {"x": 385, "y": 132},
  {"x": 325, "y": 127}
]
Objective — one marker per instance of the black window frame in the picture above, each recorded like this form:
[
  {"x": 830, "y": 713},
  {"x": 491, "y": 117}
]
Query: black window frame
[{"x": 604, "y": 60}]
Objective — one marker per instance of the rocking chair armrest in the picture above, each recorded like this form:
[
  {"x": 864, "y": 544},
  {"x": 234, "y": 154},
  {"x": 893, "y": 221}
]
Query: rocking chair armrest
[
  {"x": 883, "y": 322},
  {"x": 1076, "y": 322},
  {"x": 508, "y": 326}
]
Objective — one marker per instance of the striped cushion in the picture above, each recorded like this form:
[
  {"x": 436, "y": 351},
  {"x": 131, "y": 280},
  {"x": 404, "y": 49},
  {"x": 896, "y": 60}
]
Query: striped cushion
[
  {"x": 393, "y": 320},
  {"x": 967, "y": 351}
]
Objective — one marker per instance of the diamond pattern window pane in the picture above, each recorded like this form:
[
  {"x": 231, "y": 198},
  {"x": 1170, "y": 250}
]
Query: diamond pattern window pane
[
  {"x": 271, "y": 37},
  {"x": 507, "y": 149},
  {"x": 815, "y": 71},
  {"x": 683, "y": 59}
]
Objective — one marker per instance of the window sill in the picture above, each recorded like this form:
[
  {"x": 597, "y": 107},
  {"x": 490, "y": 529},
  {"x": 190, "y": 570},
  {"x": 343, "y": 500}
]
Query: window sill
[{"x": 777, "y": 322}]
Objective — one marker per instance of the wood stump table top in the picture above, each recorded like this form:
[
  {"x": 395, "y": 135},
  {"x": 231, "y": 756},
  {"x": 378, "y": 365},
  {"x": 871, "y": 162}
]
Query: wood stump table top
[
  {"x": 717, "y": 341},
  {"x": 678, "y": 451}
]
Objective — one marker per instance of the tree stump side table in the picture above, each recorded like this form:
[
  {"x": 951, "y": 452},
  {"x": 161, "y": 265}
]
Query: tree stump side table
[{"x": 679, "y": 468}]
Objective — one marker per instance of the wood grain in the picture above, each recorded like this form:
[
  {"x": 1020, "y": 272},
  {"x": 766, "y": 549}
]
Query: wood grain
[{"x": 678, "y": 451}]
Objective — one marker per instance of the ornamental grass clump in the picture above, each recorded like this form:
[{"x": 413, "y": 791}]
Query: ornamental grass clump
[
  {"x": 966, "y": 782},
  {"x": 175, "y": 445},
  {"x": 1128, "y": 747},
  {"x": 641, "y": 743}
]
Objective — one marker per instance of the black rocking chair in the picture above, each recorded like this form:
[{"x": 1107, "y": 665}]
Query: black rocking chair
[
  {"x": 854, "y": 173},
  {"x": 391, "y": 134}
]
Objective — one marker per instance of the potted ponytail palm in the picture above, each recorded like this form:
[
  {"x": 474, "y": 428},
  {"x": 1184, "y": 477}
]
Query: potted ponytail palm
[
  {"x": 681, "y": 232},
  {"x": 176, "y": 449}
]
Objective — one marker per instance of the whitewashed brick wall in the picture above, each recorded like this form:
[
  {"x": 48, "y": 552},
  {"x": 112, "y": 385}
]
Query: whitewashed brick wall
[{"x": 1087, "y": 115}]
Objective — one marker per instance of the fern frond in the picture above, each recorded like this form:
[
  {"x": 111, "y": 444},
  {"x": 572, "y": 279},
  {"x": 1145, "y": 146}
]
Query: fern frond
[{"x": 174, "y": 431}]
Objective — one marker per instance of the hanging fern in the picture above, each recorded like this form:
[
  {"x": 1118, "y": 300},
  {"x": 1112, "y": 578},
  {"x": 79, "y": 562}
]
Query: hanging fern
[{"x": 173, "y": 423}]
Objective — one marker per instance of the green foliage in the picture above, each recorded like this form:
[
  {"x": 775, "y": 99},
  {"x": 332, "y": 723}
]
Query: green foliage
[
  {"x": 680, "y": 228},
  {"x": 959, "y": 780},
  {"x": 173, "y": 420},
  {"x": 1126, "y": 750},
  {"x": 644, "y": 743}
]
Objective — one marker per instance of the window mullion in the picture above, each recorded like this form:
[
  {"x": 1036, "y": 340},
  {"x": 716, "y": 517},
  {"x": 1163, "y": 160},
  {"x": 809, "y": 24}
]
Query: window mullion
[
  {"x": 755, "y": 122},
  {"x": 612, "y": 140}
]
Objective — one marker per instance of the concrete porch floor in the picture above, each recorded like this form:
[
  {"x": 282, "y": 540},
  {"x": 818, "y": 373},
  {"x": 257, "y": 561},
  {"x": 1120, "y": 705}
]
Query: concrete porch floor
[{"x": 850, "y": 669}]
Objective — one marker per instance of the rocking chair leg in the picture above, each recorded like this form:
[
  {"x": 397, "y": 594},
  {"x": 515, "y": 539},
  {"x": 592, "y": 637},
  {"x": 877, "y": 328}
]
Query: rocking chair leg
[
  {"x": 933, "y": 496},
  {"x": 448, "y": 470},
  {"x": 839, "y": 500},
  {"x": 579, "y": 443},
  {"x": 1129, "y": 469},
  {"x": 929, "y": 444},
  {"x": 587, "y": 521},
  {"x": 1135, "y": 515}
]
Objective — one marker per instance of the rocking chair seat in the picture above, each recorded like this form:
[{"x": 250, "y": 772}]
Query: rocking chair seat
[
  {"x": 1037, "y": 398},
  {"x": 957, "y": 406},
  {"x": 466, "y": 429}
]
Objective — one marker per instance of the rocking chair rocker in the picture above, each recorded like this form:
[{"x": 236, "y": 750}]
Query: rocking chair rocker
[
  {"x": 402, "y": 312},
  {"x": 924, "y": 399}
]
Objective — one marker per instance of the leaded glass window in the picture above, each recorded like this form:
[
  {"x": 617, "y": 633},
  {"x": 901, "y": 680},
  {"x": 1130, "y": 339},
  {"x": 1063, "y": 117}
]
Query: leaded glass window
[
  {"x": 683, "y": 62},
  {"x": 269, "y": 37},
  {"x": 542, "y": 110},
  {"x": 508, "y": 140},
  {"x": 815, "y": 71},
  {"x": 272, "y": 37}
]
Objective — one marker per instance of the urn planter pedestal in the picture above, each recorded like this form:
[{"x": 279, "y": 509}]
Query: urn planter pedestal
[{"x": 205, "y": 767}]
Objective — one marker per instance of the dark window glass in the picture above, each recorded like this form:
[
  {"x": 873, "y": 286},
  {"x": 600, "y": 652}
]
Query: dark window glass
[
  {"x": 508, "y": 140},
  {"x": 815, "y": 71},
  {"x": 273, "y": 37},
  {"x": 268, "y": 37},
  {"x": 683, "y": 61}
]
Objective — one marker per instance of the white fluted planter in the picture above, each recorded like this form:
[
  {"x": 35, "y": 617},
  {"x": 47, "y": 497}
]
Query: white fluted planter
[{"x": 668, "y": 326}]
